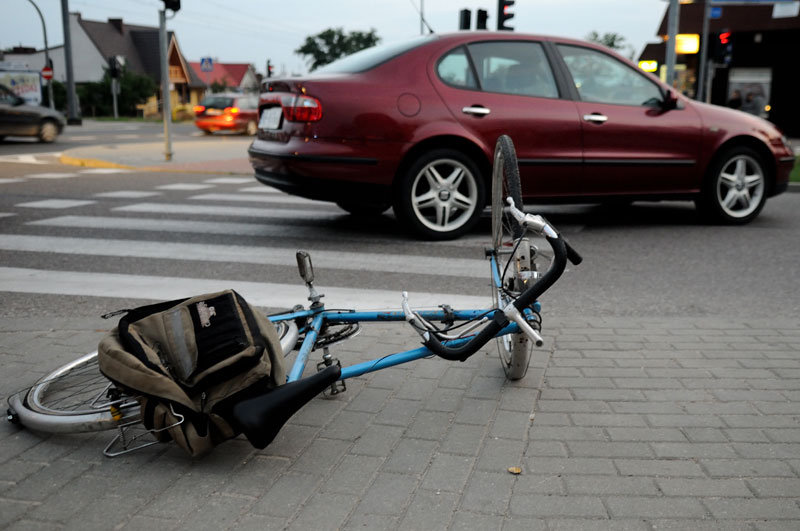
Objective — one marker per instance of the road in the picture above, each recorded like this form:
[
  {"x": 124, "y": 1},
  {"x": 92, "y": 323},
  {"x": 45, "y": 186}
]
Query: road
[{"x": 155, "y": 229}]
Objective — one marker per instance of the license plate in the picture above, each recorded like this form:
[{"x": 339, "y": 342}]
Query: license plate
[
  {"x": 271, "y": 118},
  {"x": 213, "y": 112}
]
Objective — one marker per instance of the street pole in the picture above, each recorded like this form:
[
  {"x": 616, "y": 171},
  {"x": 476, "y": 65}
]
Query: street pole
[
  {"x": 672, "y": 31},
  {"x": 165, "y": 103},
  {"x": 46, "y": 57},
  {"x": 114, "y": 92},
  {"x": 421, "y": 17},
  {"x": 702, "y": 66},
  {"x": 73, "y": 117}
]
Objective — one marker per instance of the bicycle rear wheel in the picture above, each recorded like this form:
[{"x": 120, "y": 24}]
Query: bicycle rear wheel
[
  {"x": 512, "y": 255},
  {"x": 77, "y": 397}
]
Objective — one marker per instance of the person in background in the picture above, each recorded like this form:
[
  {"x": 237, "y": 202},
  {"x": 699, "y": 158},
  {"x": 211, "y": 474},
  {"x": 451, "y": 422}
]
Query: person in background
[
  {"x": 735, "y": 101},
  {"x": 752, "y": 104}
]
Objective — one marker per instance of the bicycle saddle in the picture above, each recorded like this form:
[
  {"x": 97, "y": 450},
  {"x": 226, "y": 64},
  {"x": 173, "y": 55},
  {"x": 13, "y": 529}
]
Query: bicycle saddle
[{"x": 261, "y": 418}]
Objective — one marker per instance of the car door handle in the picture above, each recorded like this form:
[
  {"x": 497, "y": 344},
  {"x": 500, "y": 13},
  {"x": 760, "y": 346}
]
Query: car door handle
[
  {"x": 477, "y": 110},
  {"x": 595, "y": 117}
]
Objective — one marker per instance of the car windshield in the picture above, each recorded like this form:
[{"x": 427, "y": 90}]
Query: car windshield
[
  {"x": 371, "y": 57},
  {"x": 217, "y": 102}
]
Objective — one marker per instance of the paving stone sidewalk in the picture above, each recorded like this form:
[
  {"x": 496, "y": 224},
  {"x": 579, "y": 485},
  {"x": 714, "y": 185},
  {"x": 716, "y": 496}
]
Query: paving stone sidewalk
[{"x": 637, "y": 424}]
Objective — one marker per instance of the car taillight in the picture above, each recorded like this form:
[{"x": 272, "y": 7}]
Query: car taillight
[
  {"x": 302, "y": 109},
  {"x": 231, "y": 110},
  {"x": 199, "y": 108}
]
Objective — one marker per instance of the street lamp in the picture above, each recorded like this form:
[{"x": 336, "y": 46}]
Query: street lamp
[{"x": 46, "y": 56}]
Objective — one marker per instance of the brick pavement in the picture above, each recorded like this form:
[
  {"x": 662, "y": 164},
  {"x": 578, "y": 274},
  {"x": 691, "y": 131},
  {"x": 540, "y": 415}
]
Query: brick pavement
[{"x": 635, "y": 424}]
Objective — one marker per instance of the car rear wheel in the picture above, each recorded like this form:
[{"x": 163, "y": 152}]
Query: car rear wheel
[
  {"x": 48, "y": 131},
  {"x": 441, "y": 195},
  {"x": 736, "y": 187}
]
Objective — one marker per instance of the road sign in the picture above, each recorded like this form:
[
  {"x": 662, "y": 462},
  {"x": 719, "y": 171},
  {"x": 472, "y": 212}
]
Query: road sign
[
  {"x": 206, "y": 64},
  {"x": 716, "y": 12},
  {"x": 47, "y": 73}
]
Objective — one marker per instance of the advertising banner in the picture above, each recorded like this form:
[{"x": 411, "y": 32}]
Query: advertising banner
[{"x": 26, "y": 85}]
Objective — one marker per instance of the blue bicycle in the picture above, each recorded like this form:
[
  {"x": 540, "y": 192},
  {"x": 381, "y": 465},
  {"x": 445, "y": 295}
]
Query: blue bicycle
[{"x": 76, "y": 397}]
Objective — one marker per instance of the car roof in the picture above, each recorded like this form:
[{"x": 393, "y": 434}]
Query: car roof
[{"x": 470, "y": 36}]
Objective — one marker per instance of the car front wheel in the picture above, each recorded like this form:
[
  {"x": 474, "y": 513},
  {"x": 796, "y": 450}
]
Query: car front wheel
[
  {"x": 736, "y": 187},
  {"x": 48, "y": 131},
  {"x": 441, "y": 195}
]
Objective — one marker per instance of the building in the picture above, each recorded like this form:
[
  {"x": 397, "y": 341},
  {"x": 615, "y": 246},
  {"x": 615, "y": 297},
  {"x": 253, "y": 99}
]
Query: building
[
  {"x": 237, "y": 76},
  {"x": 93, "y": 42},
  {"x": 761, "y": 58}
]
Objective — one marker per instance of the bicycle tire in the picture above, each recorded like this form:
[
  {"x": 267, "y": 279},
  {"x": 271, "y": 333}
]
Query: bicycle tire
[
  {"x": 75, "y": 397},
  {"x": 512, "y": 255}
]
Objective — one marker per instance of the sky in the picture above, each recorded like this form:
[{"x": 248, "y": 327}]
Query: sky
[{"x": 252, "y": 31}]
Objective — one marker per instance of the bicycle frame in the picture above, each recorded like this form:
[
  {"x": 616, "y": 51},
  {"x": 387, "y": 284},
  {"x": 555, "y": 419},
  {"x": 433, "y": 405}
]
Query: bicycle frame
[{"x": 319, "y": 317}]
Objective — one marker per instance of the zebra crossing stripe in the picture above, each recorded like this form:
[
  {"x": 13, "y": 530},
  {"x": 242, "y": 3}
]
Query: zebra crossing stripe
[
  {"x": 221, "y": 210},
  {"x": 245, "y": 254},
  {"x": 260, "y": 198},
  {"x": 264, "y": 294}
]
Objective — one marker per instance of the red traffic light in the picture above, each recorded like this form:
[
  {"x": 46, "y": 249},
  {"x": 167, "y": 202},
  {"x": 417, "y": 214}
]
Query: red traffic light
[{"x": 724, "y": 38}]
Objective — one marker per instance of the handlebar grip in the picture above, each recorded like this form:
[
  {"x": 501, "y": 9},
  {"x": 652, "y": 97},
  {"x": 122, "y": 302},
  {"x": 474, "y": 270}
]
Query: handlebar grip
[
  {"x": 573, "y": 255},
  {"x": 472, "y": 345}
]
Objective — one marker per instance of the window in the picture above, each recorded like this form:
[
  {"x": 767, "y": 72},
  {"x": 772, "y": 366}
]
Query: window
[
  {"x": 514, "y": 68},
  {"x": 600, "y": 78},
  {"x": 7, "y": 97},
  {"x": 217, "y": 102},
  {"x": 454, "y": 70},
  {"x": 371, "y": 57}
]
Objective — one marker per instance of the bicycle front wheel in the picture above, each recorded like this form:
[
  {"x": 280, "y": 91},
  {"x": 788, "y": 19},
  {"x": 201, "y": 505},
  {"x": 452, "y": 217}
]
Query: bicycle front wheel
[{"x": 512, "y": 255}]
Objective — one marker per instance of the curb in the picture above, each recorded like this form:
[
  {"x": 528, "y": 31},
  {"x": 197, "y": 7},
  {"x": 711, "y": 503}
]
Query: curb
[
  {"x": 98, "y": 163},
  {"x": 794, "y": 188}
]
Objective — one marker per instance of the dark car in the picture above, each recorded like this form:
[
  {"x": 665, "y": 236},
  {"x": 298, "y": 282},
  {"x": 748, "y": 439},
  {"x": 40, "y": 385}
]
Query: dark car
[
  {"x": 17, "y": 118},
  {"x": 413, "y": 126},
  {"x": 227, "y": 112}
]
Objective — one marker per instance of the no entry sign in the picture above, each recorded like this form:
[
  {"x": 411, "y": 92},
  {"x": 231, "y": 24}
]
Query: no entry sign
[{"x": 47, "y": 73}]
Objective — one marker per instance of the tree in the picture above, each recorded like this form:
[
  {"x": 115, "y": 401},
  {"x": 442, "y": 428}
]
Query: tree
[
  {"x": 96, "y": 97},
  {"x": 615, "y": 41},
  {"x": 331, "y": 44},
  {"x": 219, "y": 85}
]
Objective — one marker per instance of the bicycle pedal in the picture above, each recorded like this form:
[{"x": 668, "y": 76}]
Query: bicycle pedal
[{"x": 336, "y": 387}]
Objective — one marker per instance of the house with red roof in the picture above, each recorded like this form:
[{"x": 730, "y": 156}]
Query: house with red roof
[{"x": 240, "y": 76}]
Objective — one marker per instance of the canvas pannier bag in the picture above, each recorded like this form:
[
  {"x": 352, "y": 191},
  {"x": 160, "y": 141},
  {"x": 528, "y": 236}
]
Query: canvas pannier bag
[{"x": 189, "y": 360}]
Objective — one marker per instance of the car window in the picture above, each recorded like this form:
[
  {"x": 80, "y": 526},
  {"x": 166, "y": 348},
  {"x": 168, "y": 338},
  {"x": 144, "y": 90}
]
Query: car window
[
  {"x": 454, "y": 69},
  {"x": 600, "y": 78},
  {"x": 217, "y": 102},
  {"x": 371, "y": 57},
  {"x": 7, "y": 97},
  {"x": 514, "y": 68}
]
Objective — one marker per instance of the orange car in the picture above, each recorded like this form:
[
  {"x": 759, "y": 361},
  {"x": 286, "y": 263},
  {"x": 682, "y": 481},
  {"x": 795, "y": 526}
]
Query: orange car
[{"x": 227, "y": 112}]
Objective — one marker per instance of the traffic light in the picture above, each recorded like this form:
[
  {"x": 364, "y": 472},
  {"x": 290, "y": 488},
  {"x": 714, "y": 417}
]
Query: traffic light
[
  {"x": 270, "y": 68},
  {"x": 483, "y": 16},
  {"x": 504, "y": 14},
  {"x": 723, "y": 48},
  {"x": 464, "y": 19},
  {"x": 174, "y": 5},
  {"x": 113, "y": 67}
]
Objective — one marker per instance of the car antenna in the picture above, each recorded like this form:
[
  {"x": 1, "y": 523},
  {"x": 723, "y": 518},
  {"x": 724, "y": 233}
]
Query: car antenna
[{"x": 421, "y": 16}]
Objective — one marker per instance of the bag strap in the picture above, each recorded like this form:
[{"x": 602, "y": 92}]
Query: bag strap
[{"x": 252, "y": 324}]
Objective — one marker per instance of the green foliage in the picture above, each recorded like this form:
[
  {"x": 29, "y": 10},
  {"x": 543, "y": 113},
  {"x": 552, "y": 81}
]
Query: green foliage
[
  {"x": 59, "y": 95},
  {"x": 615, "y": 41},
  {"x": 331, "y": 44},
  {"x": 219, "y": 86},
  {"x": 96, "y": 99}
]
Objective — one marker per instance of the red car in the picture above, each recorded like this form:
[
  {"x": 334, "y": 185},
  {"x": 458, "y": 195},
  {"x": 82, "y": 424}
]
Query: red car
[
  {"x": 413, "y": 126},
  {"x": 227, "y": 112}
]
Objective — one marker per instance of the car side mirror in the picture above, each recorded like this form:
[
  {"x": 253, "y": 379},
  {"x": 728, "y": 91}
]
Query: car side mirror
[{"x": 670, "y": 100}]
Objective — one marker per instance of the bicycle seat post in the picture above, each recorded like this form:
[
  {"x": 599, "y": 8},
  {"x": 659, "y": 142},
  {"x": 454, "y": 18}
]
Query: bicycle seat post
[{"x": 306, "y": 270}]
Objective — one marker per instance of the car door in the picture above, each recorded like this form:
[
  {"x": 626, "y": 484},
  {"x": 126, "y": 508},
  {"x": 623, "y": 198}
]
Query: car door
[
  {"x": 632, "y": 143},
  {"x": 501, "y": 87},
  {"x": 9, "y": 112}
]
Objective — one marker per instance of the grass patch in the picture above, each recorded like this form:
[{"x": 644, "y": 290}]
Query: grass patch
[{"x": 795, "y": 175}]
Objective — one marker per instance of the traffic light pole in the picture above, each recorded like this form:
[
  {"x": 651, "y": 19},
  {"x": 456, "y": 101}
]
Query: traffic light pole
[
  {"x": 165, "y": 103},
  {"x": 703, "y": 65},
  {"x": 672, "y": 32},
  {"x": 73, "y": 117}
]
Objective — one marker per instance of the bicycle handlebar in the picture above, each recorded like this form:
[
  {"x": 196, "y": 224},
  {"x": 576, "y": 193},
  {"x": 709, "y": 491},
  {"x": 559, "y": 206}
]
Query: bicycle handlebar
[{"x": 562, "y": 252}]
